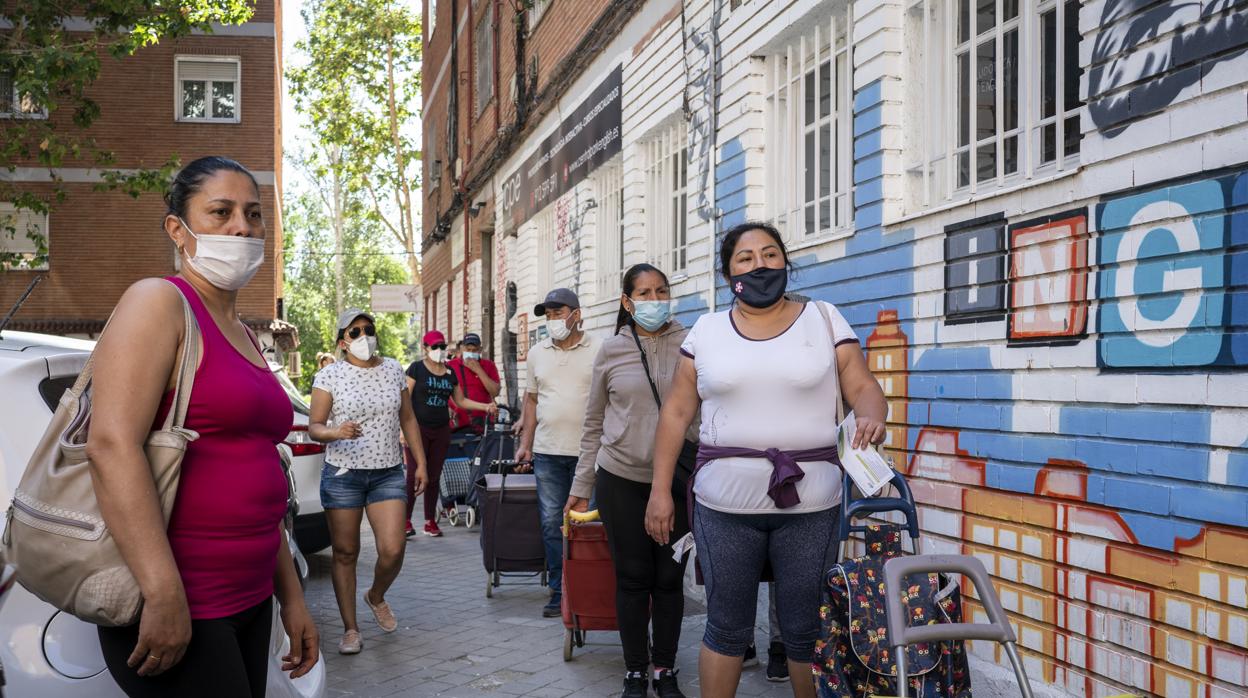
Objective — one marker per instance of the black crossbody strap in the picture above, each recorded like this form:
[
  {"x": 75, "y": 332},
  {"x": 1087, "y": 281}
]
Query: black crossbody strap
[{"x": 645, "y": 365}]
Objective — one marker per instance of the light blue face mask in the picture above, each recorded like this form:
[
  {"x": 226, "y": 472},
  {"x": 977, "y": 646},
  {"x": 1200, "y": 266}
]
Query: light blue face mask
[{"x": 652, "y": 315}]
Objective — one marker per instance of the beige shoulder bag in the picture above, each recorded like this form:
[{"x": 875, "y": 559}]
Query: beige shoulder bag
[{"x": 55, "y": 535}]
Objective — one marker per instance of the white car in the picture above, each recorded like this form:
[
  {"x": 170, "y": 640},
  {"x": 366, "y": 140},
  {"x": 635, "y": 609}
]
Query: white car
[
  {"x": 45, "y": 652},
  {"x": 307, "y": 458}
]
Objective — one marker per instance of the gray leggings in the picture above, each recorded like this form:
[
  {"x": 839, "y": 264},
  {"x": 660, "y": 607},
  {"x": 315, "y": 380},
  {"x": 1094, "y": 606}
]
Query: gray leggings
[{"x": 732, "y": 549}]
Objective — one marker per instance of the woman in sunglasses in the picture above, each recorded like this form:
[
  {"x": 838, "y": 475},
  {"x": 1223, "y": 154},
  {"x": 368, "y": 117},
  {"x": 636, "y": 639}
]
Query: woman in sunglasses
[
  {"x": 359, "y": 408},
  {"x": 432, "y": 386}
]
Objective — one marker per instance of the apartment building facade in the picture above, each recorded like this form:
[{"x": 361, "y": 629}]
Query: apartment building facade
[
  {"x": 1034, "y": 214},
  {"x": 203, "y": 94}
]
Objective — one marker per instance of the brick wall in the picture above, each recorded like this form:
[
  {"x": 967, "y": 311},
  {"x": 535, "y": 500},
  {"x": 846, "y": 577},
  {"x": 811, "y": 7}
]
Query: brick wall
[
  {"x": 478, "y": 133},
  {"x": 101, "y": 242}
]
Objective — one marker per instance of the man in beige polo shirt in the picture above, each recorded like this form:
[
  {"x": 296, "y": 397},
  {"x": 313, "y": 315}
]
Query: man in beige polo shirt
[{"x": 556, "y": 391}]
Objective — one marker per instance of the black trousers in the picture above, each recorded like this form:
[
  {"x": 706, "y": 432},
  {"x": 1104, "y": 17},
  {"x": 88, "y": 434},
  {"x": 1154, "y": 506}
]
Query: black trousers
[
  {"x": 227, "y": 657},
  {"x": 647, "y": 580}
]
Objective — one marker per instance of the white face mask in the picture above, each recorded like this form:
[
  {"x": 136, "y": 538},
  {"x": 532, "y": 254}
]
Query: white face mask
[
  {"x": 226, "y": 261},
  {"x": 437, "y": 356},
  {"x": 363, "y": 347},
  {"x": 559, "y": 330}
]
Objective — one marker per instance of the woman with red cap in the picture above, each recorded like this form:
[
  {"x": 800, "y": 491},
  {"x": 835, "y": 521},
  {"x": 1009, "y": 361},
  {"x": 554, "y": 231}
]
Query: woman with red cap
[{"x": 432, "y": 386}]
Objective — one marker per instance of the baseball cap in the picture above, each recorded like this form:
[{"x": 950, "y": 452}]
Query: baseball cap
[
  {"x": 433, "y": 337},
  {"x": 471, "y": 338},
  {"x": 349, "y": 316},
  {"x": 558, "y": 297}
]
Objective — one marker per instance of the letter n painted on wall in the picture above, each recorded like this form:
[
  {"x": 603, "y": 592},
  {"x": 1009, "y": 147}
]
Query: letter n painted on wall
[
  {"x": 1172, "y": 276},
  {"x": 1049, "y": 278}
]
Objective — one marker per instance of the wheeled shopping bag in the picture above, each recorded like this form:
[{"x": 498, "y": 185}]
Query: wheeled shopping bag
[
  {"x": 456, "y": 480},
  {"x": 588, "y": 580},
  {"x": 900, "y": 574},
  {"x": 511, "y": 530},
  {"x": 853, "y": 656}
]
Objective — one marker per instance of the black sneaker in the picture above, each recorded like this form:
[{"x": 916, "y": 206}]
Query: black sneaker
[
  {"x": 751, "y": 657},
  {"x": 554, "y": 609},
  {"x": 777, "y": 663},
  {"x": 665, "y": 686},
  {"x": 635, "y": 685}
]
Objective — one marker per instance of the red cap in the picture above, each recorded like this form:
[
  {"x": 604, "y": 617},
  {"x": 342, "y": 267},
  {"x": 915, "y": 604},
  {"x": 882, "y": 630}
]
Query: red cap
[{"x": 433, "y": 337}]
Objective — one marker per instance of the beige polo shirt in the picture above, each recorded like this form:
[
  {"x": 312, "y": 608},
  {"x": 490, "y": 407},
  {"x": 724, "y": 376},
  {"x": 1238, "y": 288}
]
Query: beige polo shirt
[{"x": 560, "y": 378}]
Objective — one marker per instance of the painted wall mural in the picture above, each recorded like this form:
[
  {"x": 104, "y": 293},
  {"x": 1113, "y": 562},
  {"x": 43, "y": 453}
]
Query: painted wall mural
[
  {"x": 701, "y": 95},
  {"x": 1116, "y": 527},
  {"x": 1147, "y": 53},
  {"x": 1166, "y": 275}
]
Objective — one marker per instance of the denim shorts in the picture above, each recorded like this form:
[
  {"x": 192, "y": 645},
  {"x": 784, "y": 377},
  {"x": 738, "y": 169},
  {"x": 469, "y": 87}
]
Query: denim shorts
[{"x": 356, "y": 489}]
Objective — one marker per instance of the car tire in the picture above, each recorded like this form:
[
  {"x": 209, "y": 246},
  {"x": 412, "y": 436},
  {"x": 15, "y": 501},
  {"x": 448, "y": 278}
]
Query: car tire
[{"x": 312, "y": 533}]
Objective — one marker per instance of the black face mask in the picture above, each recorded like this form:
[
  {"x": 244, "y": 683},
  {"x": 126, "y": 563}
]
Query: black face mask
[{"x": 760, "y": 288}]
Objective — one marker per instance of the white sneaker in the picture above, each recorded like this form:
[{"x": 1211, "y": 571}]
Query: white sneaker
[{"x": 351, "y": 643}]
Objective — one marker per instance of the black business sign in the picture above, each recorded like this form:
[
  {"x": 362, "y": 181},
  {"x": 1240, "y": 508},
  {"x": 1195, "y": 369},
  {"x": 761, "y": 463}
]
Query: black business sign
[{"x": 585, "y": 140}]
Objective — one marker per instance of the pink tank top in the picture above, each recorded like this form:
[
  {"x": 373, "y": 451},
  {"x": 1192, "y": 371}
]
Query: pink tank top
[{"x": 225, "y": 526}]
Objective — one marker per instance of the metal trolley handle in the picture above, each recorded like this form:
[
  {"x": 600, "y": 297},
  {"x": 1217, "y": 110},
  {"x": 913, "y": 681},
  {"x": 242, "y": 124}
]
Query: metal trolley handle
[{"x": 901, "y": 636}]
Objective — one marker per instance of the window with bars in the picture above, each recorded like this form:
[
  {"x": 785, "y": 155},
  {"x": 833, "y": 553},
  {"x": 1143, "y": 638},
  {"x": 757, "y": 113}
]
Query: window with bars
[
  {"x": 610, "y": 225},
  {"x": 667, "y": 198},
  {"x": 999, "y": 102},
  {"x": 483, "y": 48},
  {"x": 810, "y": 130},
  {"x": 19, "y": 229},
  {"x": 14, "y": 104},
  {"x": 208, "y": 88},
  {"x": 544, "y": 223}
]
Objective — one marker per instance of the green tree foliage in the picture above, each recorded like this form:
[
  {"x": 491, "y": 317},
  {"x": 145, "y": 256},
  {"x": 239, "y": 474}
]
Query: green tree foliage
[
  {"x": 309, "y": 291},
  {"x": 48, "y": 62},
  {"x": 360, "y": 88}
]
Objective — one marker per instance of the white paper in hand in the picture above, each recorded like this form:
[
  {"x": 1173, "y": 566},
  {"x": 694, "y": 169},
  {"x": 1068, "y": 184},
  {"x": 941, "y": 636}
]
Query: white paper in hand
[
  {"x": 682, "y": 546},
  {"x": 868, "y": 469}
]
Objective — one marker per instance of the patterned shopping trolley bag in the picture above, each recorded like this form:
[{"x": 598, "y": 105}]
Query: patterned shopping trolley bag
[{"x": 853, "y": 656}]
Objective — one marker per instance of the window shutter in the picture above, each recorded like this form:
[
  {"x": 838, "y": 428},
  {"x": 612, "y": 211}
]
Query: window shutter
[{"x": 220, "y": 71}]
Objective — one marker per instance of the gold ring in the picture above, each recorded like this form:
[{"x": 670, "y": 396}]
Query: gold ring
[{"x": 152, "y": 656}]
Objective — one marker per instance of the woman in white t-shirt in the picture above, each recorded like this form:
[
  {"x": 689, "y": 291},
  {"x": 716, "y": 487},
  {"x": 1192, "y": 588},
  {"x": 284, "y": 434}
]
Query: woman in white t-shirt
[
  {"x": 767, "y": 374},
  {"x": 365, "y": 399}
]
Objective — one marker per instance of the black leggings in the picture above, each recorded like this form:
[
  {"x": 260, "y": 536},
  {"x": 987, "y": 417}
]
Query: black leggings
[
  {"x": 646, "y": 576},
  {"x": 227, "y": 657}
]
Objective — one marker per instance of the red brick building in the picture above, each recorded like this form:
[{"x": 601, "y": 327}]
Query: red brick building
[
  {"x": 217, "y": 94},
  {"x": 477, "y": 114}
]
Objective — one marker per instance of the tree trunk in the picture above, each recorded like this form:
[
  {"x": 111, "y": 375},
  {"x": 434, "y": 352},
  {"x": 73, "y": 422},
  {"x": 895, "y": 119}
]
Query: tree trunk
[
  {"x": 404, "y": 196},
  {"x": 340, "y": 281}
]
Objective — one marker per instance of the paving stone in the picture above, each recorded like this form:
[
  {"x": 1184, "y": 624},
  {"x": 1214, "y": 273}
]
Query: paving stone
[{"x": 453, "y": 642}]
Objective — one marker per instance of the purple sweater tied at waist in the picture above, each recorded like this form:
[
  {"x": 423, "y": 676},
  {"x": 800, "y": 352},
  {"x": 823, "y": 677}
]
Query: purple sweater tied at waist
[{"x": 785, "y": 472}]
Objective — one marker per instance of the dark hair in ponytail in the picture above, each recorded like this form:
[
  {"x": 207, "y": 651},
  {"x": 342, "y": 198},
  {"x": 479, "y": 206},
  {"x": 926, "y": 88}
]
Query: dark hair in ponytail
[
  {"x": 623, "y": 317},
  {"x": 191, "y": 178}
]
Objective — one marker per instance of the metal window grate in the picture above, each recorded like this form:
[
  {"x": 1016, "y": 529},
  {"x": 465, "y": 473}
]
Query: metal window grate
[
  {"x": 667, "y": 198},
  {"x": 610, "y": 227},
  {"x": 810, "y": 132},
  {"x": 999, "y": 84}
]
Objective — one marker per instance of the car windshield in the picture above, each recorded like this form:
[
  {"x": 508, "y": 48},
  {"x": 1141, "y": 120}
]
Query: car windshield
[{"x": 296, "y": 399}]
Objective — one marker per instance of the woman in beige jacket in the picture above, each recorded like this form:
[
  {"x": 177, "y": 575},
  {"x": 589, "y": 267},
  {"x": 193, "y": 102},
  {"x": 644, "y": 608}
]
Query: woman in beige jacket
[{"x": 632, "y": 372}]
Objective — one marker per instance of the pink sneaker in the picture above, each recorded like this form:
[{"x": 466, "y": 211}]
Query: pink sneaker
[{"x": 385, "y": 617}]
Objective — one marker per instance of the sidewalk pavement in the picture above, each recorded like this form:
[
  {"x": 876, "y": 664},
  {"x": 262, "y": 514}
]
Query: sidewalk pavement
[{"x": 454, "y": 642}]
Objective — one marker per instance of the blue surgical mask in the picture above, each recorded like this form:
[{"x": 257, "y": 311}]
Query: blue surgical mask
[
  {"x": 472, "y": 356},
  {"x": 652, "y": 315}
]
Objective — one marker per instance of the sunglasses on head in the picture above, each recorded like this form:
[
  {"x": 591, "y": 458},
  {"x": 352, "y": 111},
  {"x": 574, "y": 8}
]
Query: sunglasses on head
[
  {"x": 354, "y": 332},
  {"x": 438, "y": 346}
]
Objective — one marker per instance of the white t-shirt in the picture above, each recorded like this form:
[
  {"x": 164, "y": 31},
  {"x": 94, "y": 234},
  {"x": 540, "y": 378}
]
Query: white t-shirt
[
  {"x": 371, "y": 397},
  {"x": 560, "y": 378},
  {"x": 775, "y": 393}
]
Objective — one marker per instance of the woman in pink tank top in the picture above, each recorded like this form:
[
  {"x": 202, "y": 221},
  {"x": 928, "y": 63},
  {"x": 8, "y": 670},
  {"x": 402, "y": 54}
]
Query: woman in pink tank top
[{"x": 208, "y": 579}]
